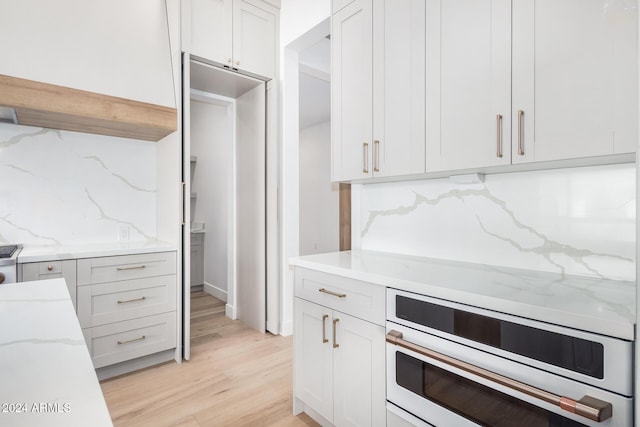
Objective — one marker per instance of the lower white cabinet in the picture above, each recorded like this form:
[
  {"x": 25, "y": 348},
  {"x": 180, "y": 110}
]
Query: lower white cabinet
[
  {"x": 339, "y": 364},
  {"x": 197, "y": 259},
  {"x": 127, "y": 305},
  {"x": 65, "y": 269}
]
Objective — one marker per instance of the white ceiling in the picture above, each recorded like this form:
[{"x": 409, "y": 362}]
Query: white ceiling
[{"x": 315, "y": 87}]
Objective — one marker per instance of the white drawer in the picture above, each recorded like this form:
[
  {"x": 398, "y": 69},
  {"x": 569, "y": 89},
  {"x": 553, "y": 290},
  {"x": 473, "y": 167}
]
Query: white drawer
[
  {"x": 126, "y": 267},
  {"x": 360, "y": 299},
  {"x": 117, "y": 301},
  {"x": 118, "y": 342}
]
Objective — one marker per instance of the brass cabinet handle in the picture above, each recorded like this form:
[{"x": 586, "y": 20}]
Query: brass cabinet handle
[
  {"x": 499, "y": 135},
  {"x": 50, "y": 267},
  {"x": 324, "y": 328},
  {"x": 335, "y": 339},
  {"x": 520, "y": 133},
  {"x": 365, "y": 157},
  {"x": 376, "y": 156},
  {"x": 135, "y": 267},
  {"x": 132, "y": 300},
  {"x": 133, "y": 340},
  {"x": 588, "y": 407},
  {"x": 335, "y": 294}
]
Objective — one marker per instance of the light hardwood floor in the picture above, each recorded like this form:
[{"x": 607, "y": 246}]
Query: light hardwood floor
[{"x": 236, "y": 377}]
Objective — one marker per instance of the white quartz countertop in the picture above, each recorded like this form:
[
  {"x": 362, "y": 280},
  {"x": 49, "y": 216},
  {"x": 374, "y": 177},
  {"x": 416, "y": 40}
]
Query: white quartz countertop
[
  {"x": 61, "y": 252},
  {"x": 596, "y": 305},
  {"x": 46, "y": 374}
]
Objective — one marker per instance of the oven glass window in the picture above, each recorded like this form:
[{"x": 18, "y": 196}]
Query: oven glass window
[
  {"x": 471, "y": 400},
  {"x": 578, "y": 355}
]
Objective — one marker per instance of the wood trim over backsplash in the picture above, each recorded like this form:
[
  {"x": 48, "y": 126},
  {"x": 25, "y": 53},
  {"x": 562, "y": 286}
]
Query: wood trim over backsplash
[{"x": 58, "y": 107}]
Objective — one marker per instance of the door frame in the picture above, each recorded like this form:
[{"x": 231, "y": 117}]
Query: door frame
[{"x": 290, "y": 161}]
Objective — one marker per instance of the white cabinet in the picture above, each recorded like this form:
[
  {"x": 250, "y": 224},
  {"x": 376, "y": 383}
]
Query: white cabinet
[
  {"x": 197, "y": 259},
  {"x": 351, "y": 91},
  {"x": 529, "y": 81},
  {"x": 211, "y": 30},
  {"x": 127, "y": 305},
  {"x": 238, "y": 34},
  {"x": 378, "y": 95},
  {"x": 468, "y": 84},
  {"x": 339, "y": 364},
  {"x": 65, "y": 269},
  {"x": 575, "y": 79}
]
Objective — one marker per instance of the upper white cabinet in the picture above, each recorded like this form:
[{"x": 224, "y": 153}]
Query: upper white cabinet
[
  {"x": 238, "y": 34},
  {"x": 211, "y": 26},
  {"x": 575, "y": 79},
  {"x": 529, "y": 81},
  {"x": 378, "y": 95},
  {"x": 351, "y": 91},
  {"x": 468, "y": 84},
  {"x": 101, "y": 67}
]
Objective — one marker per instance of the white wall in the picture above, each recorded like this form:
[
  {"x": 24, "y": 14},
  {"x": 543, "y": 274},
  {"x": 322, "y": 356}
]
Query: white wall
[
  {"x": 319, "y": 198},
  {"x": 303, "y": 23},
  {"x": 211, "y": 143},
  {"x": 69, "y": 188},
  {"x": 575, "y": 221}
]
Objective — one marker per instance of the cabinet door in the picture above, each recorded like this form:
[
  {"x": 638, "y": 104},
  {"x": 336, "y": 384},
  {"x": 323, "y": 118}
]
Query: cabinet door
[
  {"x": 468, "y": 84},
  {"x": 398, "y": 87},
  {"x": 211, "y": 30},
  {"x": 359, "y": 372},
  {"x": 313, "y": 356},
  {"x": 255, "y": 37},
  {"x": 351, "y": 91},
  {"x": 574, "y": 79}
]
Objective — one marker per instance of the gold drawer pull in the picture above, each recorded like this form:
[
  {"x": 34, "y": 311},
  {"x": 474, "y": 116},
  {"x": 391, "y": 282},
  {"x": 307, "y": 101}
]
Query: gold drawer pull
[
  {"x": 324, "y": 331},
  {"x": 133, "y": 340},
  {"x": 335, "y": 294},
  {"x": 335, "y": 338},
  {"x": 135, "y": 267},
  {"x": 50, "y": 267},
  {"x": 132, "y": 300}
]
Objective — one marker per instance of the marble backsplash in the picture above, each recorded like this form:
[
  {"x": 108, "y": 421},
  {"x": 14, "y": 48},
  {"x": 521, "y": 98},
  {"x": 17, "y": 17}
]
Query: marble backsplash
[
  {"x": 68, "y": 188},
  {"x": 573, "y": 221}
]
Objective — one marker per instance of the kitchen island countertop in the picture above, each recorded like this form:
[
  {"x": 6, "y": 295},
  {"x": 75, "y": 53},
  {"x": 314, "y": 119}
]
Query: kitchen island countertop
[
  {"x": 47, "y": 377},
  {"x": 595, "y": 305}
]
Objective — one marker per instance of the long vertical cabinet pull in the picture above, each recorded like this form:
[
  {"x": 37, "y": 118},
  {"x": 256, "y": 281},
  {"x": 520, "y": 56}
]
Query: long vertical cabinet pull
[
  {"x": 376, "y": 156},
  {"x": 520, "y": 133},
  {"x": 335, "y": 339},
  {"x": 184, "y": 203},
  {"x": 499, "y": 135},
  {"x": 324, "y": 328},
  {"x": 365, "y": 157}
]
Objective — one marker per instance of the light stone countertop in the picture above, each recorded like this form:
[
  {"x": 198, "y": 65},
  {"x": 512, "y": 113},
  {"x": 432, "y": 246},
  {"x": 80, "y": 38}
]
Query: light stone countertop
[
  {"x": 47, "y": 378},
  {"x": 61, "y": 252},
  {"x": 595, "y": 305}
]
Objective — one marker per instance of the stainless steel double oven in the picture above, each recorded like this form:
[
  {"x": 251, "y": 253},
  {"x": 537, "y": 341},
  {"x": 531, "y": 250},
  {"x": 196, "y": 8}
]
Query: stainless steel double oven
[{"x": 450, "y": 364}]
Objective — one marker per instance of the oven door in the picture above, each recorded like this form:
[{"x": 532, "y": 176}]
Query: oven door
[{"x": 444, "y": 392}]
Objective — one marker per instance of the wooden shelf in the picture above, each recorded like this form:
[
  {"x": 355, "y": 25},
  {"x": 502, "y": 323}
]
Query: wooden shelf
[{"x": 58, "y": 107}]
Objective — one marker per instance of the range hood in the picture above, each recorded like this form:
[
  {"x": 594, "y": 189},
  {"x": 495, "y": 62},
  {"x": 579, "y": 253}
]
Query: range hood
[{"x": 51, "y": 106}]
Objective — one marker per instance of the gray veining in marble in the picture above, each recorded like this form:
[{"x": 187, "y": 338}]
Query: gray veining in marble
[
  {"x": 118, "y": 176},
  {"x": 104, "y": 215}
]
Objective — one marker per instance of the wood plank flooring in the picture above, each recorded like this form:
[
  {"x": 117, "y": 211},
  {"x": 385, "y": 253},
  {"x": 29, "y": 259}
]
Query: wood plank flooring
[{"x": 236, "y": 377}]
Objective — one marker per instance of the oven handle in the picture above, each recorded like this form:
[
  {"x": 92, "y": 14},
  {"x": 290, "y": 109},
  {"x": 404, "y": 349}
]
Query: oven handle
[{"x": 588, "y": 407}]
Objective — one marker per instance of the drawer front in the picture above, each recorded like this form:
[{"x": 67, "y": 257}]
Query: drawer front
[
  {"x": 51, "y": 267},
  {"x": 127, "y": 267},
  {"x": 359, "y": 299},
  {"x": 122, "y": 341},
  {"x": 114, "y": 302}
]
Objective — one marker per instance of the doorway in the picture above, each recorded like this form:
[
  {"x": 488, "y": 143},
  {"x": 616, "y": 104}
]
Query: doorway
[{"x": 225, "y": 198}]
